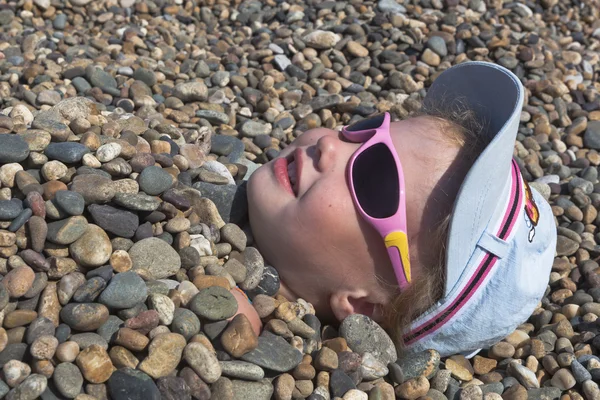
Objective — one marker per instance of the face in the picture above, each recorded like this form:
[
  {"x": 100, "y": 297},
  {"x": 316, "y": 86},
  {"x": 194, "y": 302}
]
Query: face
[{"x": 311, "y": 232}]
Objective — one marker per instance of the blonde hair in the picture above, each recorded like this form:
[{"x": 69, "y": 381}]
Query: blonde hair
[{"x": 462, "y": 129}]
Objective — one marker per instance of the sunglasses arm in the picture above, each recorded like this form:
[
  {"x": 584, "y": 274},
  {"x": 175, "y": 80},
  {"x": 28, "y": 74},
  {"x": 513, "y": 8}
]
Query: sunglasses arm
[{"x": 397, "y": 247}]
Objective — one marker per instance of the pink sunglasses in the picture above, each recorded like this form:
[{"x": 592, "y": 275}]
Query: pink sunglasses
[{"x": 377, "y": 187}]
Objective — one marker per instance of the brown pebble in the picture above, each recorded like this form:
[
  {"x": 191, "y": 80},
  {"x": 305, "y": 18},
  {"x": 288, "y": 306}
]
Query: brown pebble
[
  {"x": 515, "y": 392},
  {"x": 3, "y": 339},
  {"x": 304, "y": 371},
  {"x": 95, "y": 364},
  {"x": 120, "y": 261},
  {"x": 51, "y": 187},
  {"x": 49, "y": 306},
  {"x": 460, "y": 367},
  {"x": 44, "y": 347},
  {"x": 123, "y": 358},
  {"x": 131, "y": 339},
  {"x": 164, "y": 354},
  {"x": 19, "y": 318},
  {"x": 43, "y": 367},
  {"x": 337, "y": 344},
  {"x": 413, "y": 388},
  {"x": 205, "y": 281},
  {"x": 67, "y": 351},
  {"x": 482, "y": 365},
  {"x": 18, "y": 281},
  {"x": 239, "y": 338},
  {"x": 284, "y": 387},
  {"x": 502, "y": 350},
  {"x": 326, "y": 359}
]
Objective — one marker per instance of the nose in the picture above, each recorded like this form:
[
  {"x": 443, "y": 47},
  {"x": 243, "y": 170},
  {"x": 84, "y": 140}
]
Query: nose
[{"x": 326, "y": 147}]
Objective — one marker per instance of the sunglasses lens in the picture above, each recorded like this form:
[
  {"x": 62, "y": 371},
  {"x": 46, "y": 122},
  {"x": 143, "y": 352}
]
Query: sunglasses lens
[
  {"x": 375, "y": 177},
  {"x": 367, "y": 123}
]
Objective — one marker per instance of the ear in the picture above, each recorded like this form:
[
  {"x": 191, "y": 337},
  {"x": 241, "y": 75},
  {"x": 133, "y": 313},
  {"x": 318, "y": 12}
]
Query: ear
[{"x": 347, "y": 302}]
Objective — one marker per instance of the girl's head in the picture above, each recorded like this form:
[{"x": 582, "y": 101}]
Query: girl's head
[
  {"x": 327, "y": 254},
  {"x": 322, "y": 248}
]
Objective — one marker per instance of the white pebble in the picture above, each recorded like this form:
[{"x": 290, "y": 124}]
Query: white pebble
[
  {"x": 54, "y": 170},
  {"x": 355, "y": 394},
  {"x": 89, "y": 160},
  {"x": 108, "y": 152}
]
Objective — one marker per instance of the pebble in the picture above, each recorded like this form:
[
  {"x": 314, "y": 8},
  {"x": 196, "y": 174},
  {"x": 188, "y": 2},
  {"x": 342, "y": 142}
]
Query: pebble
[
  {"x": 13, "y": 149},
  {"x": 93, "y": 248},
  {"x": 214, "y": 303},
  {"x": 84, "y": 317},
  {"x": 203, "y": 362},
  {"x": 563, "y": 379},
  {"x": 95, "y": 364},
  {"x": 68, "y": 379},
  {"x": 164, "y": 354},
  {"x": 274, "y": 352},
  {"x": 132, "y": 384},
  {"x": 241, "y": 370},
  {"x": 125, "y": 290},
  {"x": 122, "y": 223},
  {"x": 239, "y": 337},
  {"x": 30, "y": 389},
  {"x": 155, "y": 256},
  {"x": 364, "y": 335}
]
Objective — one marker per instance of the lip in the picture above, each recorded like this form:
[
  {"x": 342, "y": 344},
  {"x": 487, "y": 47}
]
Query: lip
[
  {"x": 299, "y": 164},
  {"x": 281, "y": 174}
]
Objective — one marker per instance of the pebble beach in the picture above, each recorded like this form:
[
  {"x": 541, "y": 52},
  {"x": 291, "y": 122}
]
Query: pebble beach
[{"x": 129, "y": 129}]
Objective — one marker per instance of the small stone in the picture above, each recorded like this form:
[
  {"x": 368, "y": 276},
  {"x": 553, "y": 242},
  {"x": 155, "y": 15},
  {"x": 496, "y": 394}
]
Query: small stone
[
  {"x": 163, "y": 305},
  {"x": 13, "y": 149},
  {"x": 118, "y": 221},
  {"x": 372, "y": 368},
  {"x": 186, "y": 323},
  {"x": 155, "y": 256},
  {"x": 424, "y": 363},
  {"x": 340, "y": 383},
  {"x": 239, "y": 337},
  {"x": 242, "y": 370},
  {"x": 71, "y": 203},
  {"x": 93, "y": 248},
  {"x": 68, "y": 379},
  {"x": 30, "y": 389},
  {"x": 563, "y": 379},
  {"x": 191, "y": 91},
  {"x": 125, "y": 290},
  {"x": 275, "y": 353},
  {"x": 95, "y": 189},
  {"x": 203, "y": 362},
  {"x": 461, "y": 368},
  {"x": 128, "y": 383},
  {"x": 164, "y": 354},
  {"x": 591, "y": 390},
  {"x": 44, "y": 347},
  {"x": 326, "y": 360},
  {"x": 365, "y": 335},
  {"x": 95, "y": 364},
  {"x": 214, "y": 303},
  {"x": 18, "y": 281},
  {"x": 131, "y": 339},
  {"x": 174, "y": 388},
  {"x": 413, "y": 388},
  {"x": 67, "y": 152},
  {"x": 321, "y": 40},
  {"x": 15, "y": 372},
  {"x": 84, "y": 317},
  {"x": 67, "y": 231}
]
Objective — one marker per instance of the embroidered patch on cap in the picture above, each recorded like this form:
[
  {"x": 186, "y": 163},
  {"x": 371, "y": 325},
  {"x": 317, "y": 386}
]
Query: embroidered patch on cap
[{"x": 532, "y": 211}]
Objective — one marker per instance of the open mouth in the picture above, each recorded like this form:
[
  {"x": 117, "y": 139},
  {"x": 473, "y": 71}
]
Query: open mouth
[{"x": 292, "y": 169}]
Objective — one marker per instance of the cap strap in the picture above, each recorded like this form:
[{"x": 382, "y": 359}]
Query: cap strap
[
  {"x": 451, "y": 305},
  {"x": 493, "y": 244}
]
